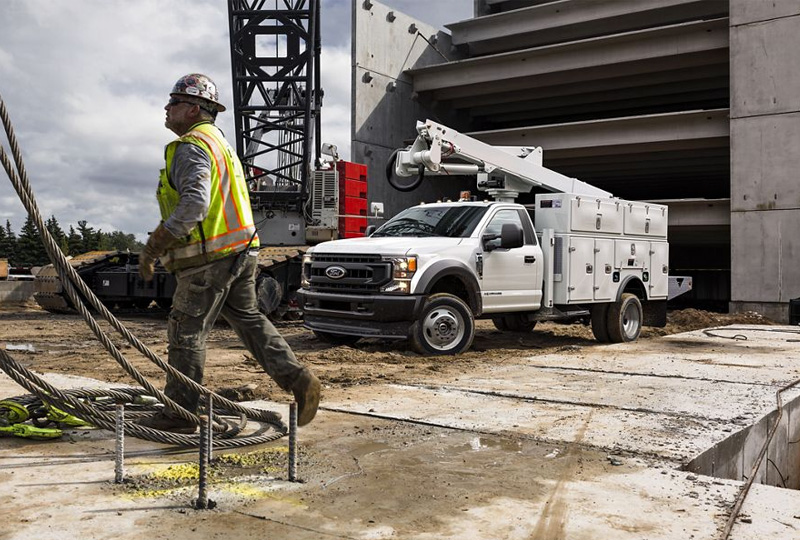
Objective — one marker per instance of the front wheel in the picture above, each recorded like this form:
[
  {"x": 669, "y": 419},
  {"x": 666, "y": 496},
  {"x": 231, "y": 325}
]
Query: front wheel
[
  {"x": 625, "y": 319},
  {"x": 445, "y": 326}
]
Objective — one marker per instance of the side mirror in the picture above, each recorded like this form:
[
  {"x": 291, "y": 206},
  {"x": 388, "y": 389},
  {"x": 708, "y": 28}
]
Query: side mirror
[
  {"x": 369, "y": 230},
  {"x": 487, "y": 238},
  {"x": 511, "y": 236}
]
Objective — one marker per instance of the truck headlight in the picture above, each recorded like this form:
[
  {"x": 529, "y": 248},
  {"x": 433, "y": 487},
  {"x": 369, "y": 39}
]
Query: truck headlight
[
  {"x": 403, "y": 269},
  {"x": 305, "y": 276}
]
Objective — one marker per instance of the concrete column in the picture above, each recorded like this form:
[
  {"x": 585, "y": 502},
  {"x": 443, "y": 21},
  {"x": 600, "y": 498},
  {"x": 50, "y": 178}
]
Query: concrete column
[
  {"x": 765, "y": 155},
  {"x": 385, "y": 109}
]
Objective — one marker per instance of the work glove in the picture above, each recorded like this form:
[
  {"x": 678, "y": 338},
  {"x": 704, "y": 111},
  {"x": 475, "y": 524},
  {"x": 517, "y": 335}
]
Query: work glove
[{"x": 160, "y": 240}]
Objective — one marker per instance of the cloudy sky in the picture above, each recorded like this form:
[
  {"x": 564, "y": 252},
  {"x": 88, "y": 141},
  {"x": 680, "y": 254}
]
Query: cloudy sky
[{"x": 85, "y": 83}]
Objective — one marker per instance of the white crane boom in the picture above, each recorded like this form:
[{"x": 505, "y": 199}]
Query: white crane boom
[{"x": 503, "y": 172}]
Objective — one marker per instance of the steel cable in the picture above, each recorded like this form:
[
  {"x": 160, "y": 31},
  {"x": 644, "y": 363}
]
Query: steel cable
[{"x": 72, "y": 283}]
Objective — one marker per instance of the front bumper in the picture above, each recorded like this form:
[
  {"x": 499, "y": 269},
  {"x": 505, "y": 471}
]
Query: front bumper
[{"x": 383, "y": 316}]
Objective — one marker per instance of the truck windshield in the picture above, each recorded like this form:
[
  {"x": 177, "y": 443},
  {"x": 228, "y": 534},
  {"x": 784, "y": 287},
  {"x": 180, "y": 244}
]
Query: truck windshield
[{"x": 450, "y": 221}]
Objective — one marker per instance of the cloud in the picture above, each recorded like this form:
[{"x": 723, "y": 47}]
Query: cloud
[{"x": 85, "y": 82}]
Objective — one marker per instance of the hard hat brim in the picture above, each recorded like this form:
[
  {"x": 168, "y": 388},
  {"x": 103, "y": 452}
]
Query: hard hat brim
[{"x": 219, "y": 106}]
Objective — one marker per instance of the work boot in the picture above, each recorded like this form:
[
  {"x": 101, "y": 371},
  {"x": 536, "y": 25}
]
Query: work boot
[
  {"x": 165, "y": 422},
  {"x": 306, "y": 393}
]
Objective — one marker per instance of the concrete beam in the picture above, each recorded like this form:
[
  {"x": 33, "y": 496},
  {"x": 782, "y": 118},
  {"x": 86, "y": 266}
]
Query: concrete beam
[
  {"x": 571, "y": 110},
  {"x": 698, "y": 212},
  {"x": 570, "y": 20},
  {"x": 632, "y": 53},
  {"x": 716, "y": 74},
  {"x": 671, "y": 92},
  {"x": 482, "y": 7},
  {"x": 658, "y": 132}
]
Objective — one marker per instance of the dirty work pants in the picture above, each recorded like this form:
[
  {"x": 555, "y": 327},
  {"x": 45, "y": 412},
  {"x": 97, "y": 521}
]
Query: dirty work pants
[{"x": 199, "y": 299}]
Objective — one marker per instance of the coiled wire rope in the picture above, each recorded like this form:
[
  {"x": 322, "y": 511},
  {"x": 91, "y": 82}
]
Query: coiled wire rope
[{"x": 227, "y": 434}]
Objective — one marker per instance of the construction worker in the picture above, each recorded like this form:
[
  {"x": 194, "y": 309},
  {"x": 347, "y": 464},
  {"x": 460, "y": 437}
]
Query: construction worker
[{"x": 207, "y": 238}]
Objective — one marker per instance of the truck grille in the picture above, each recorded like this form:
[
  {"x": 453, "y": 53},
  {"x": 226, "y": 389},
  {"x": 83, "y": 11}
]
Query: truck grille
[{"x": 343, "y": 273}]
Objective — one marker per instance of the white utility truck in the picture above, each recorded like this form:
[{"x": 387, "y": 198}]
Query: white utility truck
[{"x": 431, "y": 270}]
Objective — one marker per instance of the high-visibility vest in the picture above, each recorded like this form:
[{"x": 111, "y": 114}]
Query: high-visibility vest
[{"x": 228, "y": 227}]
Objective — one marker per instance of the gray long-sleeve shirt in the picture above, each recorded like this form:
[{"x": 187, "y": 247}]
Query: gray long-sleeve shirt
[{"x": 190, "y": 175}]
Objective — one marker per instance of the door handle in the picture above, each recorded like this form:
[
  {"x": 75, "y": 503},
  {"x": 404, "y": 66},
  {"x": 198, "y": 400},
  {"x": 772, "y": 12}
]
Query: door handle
[{"x": 530, "y": 259}]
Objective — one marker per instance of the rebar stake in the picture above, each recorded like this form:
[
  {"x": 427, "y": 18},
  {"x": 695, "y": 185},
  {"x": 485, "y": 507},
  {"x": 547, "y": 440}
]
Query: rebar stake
[
  {"x": 119, "y": 457},
  {"x": 210, "y": 431},
  {"x": 293, "y": 442},
  {"x": 202, "y": 491}
]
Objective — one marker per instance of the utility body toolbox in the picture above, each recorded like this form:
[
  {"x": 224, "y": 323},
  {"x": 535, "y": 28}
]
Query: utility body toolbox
[{"x": 599, "y": 242}]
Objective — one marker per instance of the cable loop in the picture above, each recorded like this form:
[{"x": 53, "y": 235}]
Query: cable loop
[{"x": 76, "y": 289}]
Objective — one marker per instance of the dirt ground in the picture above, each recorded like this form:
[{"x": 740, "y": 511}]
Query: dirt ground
[
  {"x": 432, "y": 472},
  {"x": 65, "y": 344}
]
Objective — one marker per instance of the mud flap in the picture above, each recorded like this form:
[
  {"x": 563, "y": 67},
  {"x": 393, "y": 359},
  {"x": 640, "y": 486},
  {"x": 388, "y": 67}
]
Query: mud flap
[{"x": 654, "y": 313}]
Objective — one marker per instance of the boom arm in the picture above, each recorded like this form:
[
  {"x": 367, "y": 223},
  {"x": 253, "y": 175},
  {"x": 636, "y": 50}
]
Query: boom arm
[{"x": 503, "y": 172}]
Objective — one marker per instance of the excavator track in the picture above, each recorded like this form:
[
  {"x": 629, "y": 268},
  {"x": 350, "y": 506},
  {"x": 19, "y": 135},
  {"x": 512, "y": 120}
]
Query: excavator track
[
  {"x": 270, "y": 256},
  {"x": 278, "y": 278},
  {"x": 49, "y": 291}
]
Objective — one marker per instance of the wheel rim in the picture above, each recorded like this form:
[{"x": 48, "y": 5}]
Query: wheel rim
[
  {"x": 631, "y": 320},
  {"x": 443, "y": 329}
]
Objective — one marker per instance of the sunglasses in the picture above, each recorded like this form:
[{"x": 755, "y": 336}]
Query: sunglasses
[{"x": 175, "y": 101}]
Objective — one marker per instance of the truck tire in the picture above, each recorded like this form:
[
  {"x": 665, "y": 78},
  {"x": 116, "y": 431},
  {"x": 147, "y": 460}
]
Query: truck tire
[
  {"x": 446, "y": 326},
  {"x": 600, "y": 322},
  {"x": 625, "y": 319},
  {"x": 513, "y": 323},
  {"x": 269, "y": 293},
  {"x": 336, "y": 339},
  {"x": 500, "y": 323}
]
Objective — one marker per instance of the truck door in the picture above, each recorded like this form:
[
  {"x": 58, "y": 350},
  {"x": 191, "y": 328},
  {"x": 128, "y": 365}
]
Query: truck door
[{"x": 512, "y": 278}]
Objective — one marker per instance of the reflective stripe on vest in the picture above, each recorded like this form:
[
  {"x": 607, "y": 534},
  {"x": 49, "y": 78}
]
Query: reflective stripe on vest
[
  {"x": 231, "y": 212},
  {"x": 229, "y": 226}
]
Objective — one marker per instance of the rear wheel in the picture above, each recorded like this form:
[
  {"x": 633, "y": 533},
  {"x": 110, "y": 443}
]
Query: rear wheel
[
  {"x": 600, "y": 322},
  {"x": 500, "y": 323},
  {"x": 513, "y": 323},
  {"x": 337, "y": 339},
  {"x": 446, "y": 326},
  {"x": 625, "y": 319}
]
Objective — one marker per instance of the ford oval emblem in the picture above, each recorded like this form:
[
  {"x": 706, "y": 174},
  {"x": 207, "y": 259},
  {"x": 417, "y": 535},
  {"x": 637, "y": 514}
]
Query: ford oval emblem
[{"x": 335, "y": 272}]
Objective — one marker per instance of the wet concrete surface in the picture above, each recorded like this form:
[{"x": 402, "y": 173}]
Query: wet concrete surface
[{"x": 586, "y": 443}]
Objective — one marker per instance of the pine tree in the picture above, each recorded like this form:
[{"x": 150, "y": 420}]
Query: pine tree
[
  {"x": 74, "y": 242},
  {"x": 8, "y": 244},
  {"x": 90, "y": 240},
  {"x": 30, "y": 249},
  {"x": 118, "y": 240},
  {"x": 57, "y": 233}
]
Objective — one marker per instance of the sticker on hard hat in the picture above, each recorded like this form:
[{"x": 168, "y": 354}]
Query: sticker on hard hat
[{"x": 192, "y": 90}]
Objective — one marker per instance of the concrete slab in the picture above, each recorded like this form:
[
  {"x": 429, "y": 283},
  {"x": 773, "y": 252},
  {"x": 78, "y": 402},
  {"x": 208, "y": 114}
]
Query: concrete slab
[
  {"x": 584, "y": 444},
  {"x": 570, "y": 20}
]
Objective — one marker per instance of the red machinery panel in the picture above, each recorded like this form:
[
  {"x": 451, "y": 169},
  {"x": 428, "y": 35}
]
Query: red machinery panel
[
  {"x": 352, "y": 227},
  {"x": 352, "y": 206}
]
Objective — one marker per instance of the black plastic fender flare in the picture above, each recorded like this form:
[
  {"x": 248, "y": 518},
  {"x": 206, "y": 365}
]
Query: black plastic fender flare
[
  {"x": 444, "y": 268},
  {"x": 623, "y": 285}
]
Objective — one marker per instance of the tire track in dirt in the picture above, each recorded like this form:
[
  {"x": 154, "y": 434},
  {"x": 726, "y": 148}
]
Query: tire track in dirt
[{"x": 552, "y": 522}]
